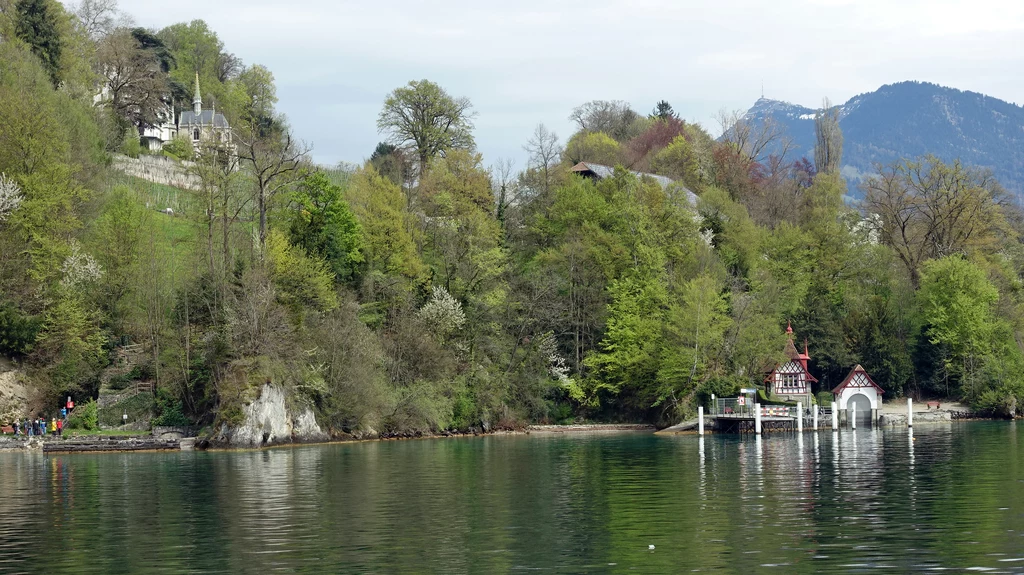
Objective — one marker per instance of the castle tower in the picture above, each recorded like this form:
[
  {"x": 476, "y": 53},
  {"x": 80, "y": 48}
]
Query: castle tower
[{"x": 197, "y": 100}]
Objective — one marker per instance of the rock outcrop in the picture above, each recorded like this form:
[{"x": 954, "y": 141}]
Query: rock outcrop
[
  {"x": 900, "y": 419},
  {"x": 267, "y": 421},
  {"x": 13, "y": 395}
]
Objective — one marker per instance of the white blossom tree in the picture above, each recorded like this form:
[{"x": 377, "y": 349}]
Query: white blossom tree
[
  {"x": 10, "y": 196},
  {"x": 79, "y": 267},
  {"x": 443, "y": 313}
]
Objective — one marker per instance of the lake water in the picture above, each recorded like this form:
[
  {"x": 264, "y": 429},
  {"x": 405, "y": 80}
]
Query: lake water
[{"x": 950, "y": 498}]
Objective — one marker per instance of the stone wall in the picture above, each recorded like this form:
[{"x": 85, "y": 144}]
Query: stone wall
[
  {"x": 159, "y": 170},
  {"x": 169, "y": 432}
]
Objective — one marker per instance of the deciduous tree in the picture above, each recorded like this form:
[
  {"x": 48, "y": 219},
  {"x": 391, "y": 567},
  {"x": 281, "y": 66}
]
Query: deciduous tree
[
  {"x": 828, "y": 147},
  {"x": 425, "y": 117}
]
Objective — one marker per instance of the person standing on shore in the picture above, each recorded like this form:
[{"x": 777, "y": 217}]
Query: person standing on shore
[
  {"x": 16, "y": 425},
  {"x": 53, "y": 426},
  {"x": 60, "y": 428}
]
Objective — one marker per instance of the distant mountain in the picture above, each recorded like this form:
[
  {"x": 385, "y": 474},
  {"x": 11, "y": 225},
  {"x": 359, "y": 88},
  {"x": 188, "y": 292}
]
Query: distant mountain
[{"x": 912, "y": 119}]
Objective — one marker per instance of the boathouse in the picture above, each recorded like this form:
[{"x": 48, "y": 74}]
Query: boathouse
[
  {"x": 790, "y": 381},
  {"x": 859, "y": 394}
]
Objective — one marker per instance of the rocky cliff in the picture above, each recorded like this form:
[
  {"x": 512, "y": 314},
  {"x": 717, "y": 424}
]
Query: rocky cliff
[
  {"x": 13, "y": 393},
  {"x": 268, "y": 421}
]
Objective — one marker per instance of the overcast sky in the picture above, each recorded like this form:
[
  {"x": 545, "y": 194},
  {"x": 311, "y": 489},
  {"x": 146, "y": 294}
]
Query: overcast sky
[{"x": 531, "y": 61}]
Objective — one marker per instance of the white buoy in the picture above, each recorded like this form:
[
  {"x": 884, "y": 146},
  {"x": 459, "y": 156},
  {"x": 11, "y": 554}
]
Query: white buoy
[
  {"x": 835, "y": 417},
  {"x": 815, "y": 418},
  {"x": 650, "y": 547},
  {"x": 799, "y": 417},
  {"x": 757, "y": 418},
  {"x": 700, "y": 420},
  {"x": 853, "y": 416},
  {"x": 910, "y": 412}
]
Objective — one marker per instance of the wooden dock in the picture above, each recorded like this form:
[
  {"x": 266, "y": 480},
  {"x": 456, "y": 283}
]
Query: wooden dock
[{"x": 745, "y": 423}]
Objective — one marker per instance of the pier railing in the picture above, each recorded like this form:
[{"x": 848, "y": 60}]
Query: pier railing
[{"x": 731, "y": 407}]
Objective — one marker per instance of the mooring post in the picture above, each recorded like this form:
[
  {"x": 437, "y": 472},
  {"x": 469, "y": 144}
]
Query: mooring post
[
  {"x": 815, "y": 418},
  {"x": 757, "y": 418},
  {"x": 835, "y": 417},
  {"x": 799, "y": 417},
  {"x": 910, "y": 412},
  {"x": 853, "y": 416},
  {"x": 700, "y": 420}
]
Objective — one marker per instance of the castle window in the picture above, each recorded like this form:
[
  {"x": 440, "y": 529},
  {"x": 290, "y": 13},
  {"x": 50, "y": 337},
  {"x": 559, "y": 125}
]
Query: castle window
[{"x": 195, "y": 134}]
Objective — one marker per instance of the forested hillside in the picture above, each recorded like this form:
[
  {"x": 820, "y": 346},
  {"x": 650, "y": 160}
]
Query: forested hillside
[
  {"x": 911, "y": 119},
  {"x": 427, "y": 290}
]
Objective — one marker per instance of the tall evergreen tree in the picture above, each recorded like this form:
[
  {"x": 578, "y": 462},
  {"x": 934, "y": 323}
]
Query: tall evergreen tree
[{"x": 38, "y": 25}]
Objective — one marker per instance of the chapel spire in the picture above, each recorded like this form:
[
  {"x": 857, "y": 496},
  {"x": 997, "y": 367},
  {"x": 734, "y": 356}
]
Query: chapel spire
[{"x": 197, "y": 99}]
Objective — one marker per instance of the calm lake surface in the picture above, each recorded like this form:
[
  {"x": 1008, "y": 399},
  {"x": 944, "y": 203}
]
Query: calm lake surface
[{"x": 951, "y": 499}]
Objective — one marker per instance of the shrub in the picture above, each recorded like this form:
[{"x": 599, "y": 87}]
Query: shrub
[
  {"x": 765, "y": 400},
  {"x": 132, "y": 146},
  {"x": 17, "y": 331},
  {"x": 169, "y": 410},
  {"x": 138, "y": 408},
  {"x": 85, "y": 416},
  {"x": 179, "y": 149},
  {"x": 119, "y": 382}
]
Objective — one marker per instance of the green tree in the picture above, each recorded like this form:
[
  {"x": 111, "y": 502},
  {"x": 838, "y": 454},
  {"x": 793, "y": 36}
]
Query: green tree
[
  {"x": 678, "y": 161},
  {"x": 387, "y": 227},
  {"x": 38, "y": 24},
  {"x": 626, "y": 368},
  {"x": 692, "y": 350},
  {"x": 663, "y": 111},
  {"x": 424, "y": 116},
  {"x": 260, "y": 93},
  {"x": 303, "y": 281},
  {"x": 596, "y": 147},
  {"x": 117, "y": 236},
  {"x": 957, "y": 304},
  {"x": 324, "y": 226}
]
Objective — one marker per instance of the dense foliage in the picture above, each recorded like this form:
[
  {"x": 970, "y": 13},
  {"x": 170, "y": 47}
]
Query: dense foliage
[{"x": 425, "y": 291}]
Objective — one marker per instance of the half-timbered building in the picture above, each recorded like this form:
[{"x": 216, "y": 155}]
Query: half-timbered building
[{"x": 790, "y": 380}]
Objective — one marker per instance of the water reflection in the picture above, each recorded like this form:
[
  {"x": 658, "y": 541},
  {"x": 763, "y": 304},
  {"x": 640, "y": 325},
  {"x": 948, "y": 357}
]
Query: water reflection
[{"x": 938, "y": 497}]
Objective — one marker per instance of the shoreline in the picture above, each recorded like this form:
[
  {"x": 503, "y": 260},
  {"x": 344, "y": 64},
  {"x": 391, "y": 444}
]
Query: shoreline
[{"x": 148, "y": 443}]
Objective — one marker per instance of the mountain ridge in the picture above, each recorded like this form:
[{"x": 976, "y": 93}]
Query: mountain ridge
[{"x": 910, "y": 119}]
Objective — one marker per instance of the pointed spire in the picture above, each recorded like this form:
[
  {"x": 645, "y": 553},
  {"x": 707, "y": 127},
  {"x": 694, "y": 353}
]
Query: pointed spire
[
  {"x": 789, "y": 327},
  {"x": 805, "y": 348},
  {"x": 197, "y": 99}
]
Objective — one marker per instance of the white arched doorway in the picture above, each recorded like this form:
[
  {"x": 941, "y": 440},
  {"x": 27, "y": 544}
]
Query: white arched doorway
[{"x": 860, "y": 404}]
